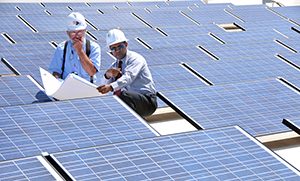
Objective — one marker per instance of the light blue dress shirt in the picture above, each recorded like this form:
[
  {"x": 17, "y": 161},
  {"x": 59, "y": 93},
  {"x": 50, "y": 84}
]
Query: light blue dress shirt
[
  {"x": 72, "y": 62},
  {"x": 136, "y": 75}
]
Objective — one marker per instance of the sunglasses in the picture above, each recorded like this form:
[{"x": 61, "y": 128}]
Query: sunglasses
[{"x": 117, "y": 48}]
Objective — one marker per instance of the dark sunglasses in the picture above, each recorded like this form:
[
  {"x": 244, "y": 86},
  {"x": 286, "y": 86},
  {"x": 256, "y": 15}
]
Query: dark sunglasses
[{"x": 117, "y": 48}]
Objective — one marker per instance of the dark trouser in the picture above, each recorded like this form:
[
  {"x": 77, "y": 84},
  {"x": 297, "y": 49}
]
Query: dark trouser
[{"x": 143, "y": 104}]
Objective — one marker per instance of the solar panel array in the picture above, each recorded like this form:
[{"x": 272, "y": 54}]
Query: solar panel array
[
  {"x": 205, "y": 155},
  {"x": 256, "y": 106},
  {"x": 217, "y": 65},
  {"x": 64, "y": 125}
]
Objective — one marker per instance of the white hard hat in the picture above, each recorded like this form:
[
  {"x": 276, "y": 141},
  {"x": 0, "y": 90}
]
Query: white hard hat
[
  {"x": 115, "y": 36},
  {"x": 76, "y": 21}
]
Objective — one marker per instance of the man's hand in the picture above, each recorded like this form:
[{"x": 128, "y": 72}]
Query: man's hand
[
  {"x": 77, "y": 44},
  {"x": 103, "y": 89},
  {"x": 112, "y": 72}
]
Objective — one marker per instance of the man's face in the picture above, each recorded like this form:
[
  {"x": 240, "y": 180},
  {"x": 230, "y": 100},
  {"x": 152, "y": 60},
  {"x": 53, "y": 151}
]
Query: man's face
[
  {"x": 119, "y": 50},
  {"x": 76, "y": 35}
]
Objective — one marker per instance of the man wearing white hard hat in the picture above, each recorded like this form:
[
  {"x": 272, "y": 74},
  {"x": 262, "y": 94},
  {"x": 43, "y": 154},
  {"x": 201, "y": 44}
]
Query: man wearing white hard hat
[
  {"x": 129, "y": 76},
  {"x": 76, "y": 55}
]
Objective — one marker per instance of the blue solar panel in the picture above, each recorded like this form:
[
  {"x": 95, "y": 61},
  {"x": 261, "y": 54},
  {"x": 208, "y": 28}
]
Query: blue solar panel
[
  {"x": 109, "y": 21},
  {"x": 39, "y": 37},
  {"x": 46, "y": 23},
  {"x": 179, "y": 41},
  {"x": 243, "y": 70},
  {"x": 221, "y": 154},
  {"x": 11, "y": 23},
  {"x": 291, "y": 12},
  {"x": 19, "y": 90},
  {"x": 258, "y": 106},
  {"x": 173, "y": 55},
  {"x": 58, "y": 126},
  {"x": 163, "y": 19},
  {"x": 4, "y": 70},
  {"x": 174, "y": 76},
  {"x": 191, "y": 30},
  {"x": 244, "y": 50},
  {"x": 254, "y": 13},
  {"x": 250, "y": 36},
  {"x": 24, "y": 169},
  {"x": 210, "y": 14}
]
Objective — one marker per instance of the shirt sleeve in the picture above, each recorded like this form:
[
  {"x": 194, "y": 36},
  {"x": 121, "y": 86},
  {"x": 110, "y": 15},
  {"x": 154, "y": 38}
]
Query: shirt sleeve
[
  {"x": 57, "y": 59},
  {"x": 95, "y": 55}
]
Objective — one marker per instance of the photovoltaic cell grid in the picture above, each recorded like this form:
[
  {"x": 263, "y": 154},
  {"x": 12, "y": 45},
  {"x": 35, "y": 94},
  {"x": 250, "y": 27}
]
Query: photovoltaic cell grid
[
  {"x": 180, "y": 41},
  {"x": 26, "y": 50},
  {"x": 4, "y": 70},
  {"x": 210, "y": 15},
  {"x": 254, "y": 13},
  {"x": 163, "y": 19},
  {"x": 19, "y": 90},
  {"x": 243, "y": 70},
  {"x": 249, "y": 36},
  {"x": 45, "y": 37},
  {"x": 266, "y": 26},
  {"x": 46, "y": 23},
  {"x": 291, "y": 12},
  {"x": 258, "y": 107},
  {"x": 220, "y": 154},
  {"x": 174, "y": 76},
  {"x": 17, "y": 8},
  {"x": 109, "y": 21},
  {"x": 24, "y": 169},
  {"x": 12, "y": 24},
  {"x": 246, "y": 50},
  {"x": 58, "y": 126},
  {"x": 173, "y": 55},
  {"x": 189, "y": 30}
]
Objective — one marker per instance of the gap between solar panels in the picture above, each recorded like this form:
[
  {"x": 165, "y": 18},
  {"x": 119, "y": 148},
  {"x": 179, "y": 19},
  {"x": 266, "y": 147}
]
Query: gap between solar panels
[
  {"x": 178, "y": 110},
  {"x": 290, "y": 124},
  {"x": 8, "y": 38},
  {"x": 23, "y": 20},
  {"x": 13, "y": 69},
  {"x": 53, "y": 166},
  {"x": 285, "y": 60},
  {"x": 285, "y": 46}
]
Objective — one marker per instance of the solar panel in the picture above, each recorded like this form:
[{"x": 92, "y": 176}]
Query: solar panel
[
  {"x": 254, "y": 13},
  {"x": 19, "y": 90},
  {"x": 244, "y": 50},
  {"x": 190, "y": 30},
  {"x": 39, "y": 37},
  {"x": 243, "y": 70},
  {"x": 291, "y": 12},
  {"x": 58, "y": 126},
  {"x": 163, "y": 19},
  {"x": 220, "y": 154},
  {"x": 174, "y": 76},
  {"x": 4, "y": 70},
  {"x": 11, "y": 23},
  {"x": 179, "y": 41},
  {"x": 173, "y": 55},
  {"x": 46, "y": 23},
  {"x": 210, "y": 14},
  {"x": 251, "y": 36},
  {"x": 24, "y": 169},
  {"x": 109, "y": 21},
  {"x": 258, "y": 106}
]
